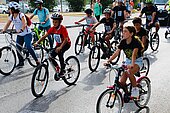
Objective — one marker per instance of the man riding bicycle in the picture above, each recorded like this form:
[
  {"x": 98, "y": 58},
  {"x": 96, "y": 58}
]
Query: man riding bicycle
[
  {"x": 151, "y": 18},
  {"x": 43, "y": 16}
]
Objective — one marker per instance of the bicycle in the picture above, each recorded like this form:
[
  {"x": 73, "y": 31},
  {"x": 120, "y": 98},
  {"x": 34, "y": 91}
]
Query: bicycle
[
  {"x": 8, "y": 55},
  {"x": 167, "y": 32},
  {"x": 153, "y": 39},
  {"x": 37, "y": 34},
  {"x": 81, "y": 39},
  {"x": 41, "y": 74},
  {"x": 94, "y": 56},
  {"x": 114, "y": 97}
]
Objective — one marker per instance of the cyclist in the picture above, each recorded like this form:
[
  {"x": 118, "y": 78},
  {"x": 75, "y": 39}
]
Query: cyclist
[
  {"x": 43, "y": 16},
  {"x": 132, "y": 47},
  {"x": 63, "y": 42},
  {"x": 128, "y": 7},
  {"x": 24, "y": 32},
  {"x": 151, "y": 18},
  {"x": 90, "y": 20},
  {"x": 110, "y": 26},
  {"x": 168, "y": 3},
  {"x": 141, "y": 32},
  {"x": 119, "y": 13}
]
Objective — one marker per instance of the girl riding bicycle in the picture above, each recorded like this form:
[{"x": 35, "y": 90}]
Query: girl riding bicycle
[
  {"x": 24, "y": 32},
  {"x": 63, "y": 42},
  {"x": 90, "y": 20},
  {"x": 132, "y": 47}
]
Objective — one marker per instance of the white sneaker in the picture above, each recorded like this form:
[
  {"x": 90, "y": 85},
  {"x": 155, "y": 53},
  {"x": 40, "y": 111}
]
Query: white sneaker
[{"x": 135, "y": 92}]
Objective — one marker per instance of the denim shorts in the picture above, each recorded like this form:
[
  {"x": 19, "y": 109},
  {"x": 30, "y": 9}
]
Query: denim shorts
[{"x": 138, "y": 61}]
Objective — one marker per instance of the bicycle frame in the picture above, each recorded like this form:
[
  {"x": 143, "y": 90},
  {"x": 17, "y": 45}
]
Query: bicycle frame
[{"x": 12, "y": 43}]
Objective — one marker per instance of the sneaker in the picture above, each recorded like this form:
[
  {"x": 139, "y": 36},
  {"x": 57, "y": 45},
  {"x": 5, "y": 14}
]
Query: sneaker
[
  {"x": 20, "y": 65},
  {"x": 57, "y": 76},
  {"x": 135, "y": 92}
]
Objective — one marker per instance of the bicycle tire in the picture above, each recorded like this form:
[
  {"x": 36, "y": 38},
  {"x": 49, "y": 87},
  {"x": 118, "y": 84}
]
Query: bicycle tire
[
  {"x": 110, "y": 99},
  {"x": 78, "y": 44},
  {"x": 39, "y": 53},
  {"x": 145, "y": 67},
  {"x": 9, "y": 60},
  {"x": 72, "y": 74},
  {"x": 142, "y": 91},
  {"x": 114, "y": 47},
  {"x": 95, "y": 57},
  {"x": 36, "y": 80},
  {"x": 46, "y": 43},
  {"x": 154, "y": 41}
]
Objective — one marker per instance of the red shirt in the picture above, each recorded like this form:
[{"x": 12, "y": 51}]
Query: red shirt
[{"x": 59, "y": 34}]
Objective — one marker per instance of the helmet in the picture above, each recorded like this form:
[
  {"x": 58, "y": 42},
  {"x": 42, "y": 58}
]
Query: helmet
[
  {"x": 107, "y": 10},
  {"x": 38, "y": 2},
  {"x": 14, "y": 5},
  {"x": 148, "y": 2},
  {"x": 57, "y": 16},
  {"x": 137, "y": 20},
  {"x": 88, "y": 11}
]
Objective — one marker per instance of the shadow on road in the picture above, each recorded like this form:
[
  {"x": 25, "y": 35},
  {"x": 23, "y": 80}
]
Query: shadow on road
[{"x": 42, "y": 104}]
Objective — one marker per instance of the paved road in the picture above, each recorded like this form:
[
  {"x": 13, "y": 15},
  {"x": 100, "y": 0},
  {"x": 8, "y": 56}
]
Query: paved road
[{"x": 16, "y": 97}]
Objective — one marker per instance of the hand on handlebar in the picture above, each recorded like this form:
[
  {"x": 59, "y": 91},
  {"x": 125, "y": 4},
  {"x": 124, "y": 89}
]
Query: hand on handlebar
[
  {"x": 35, "y": 44},
  {"x": 76, "y": 22}
]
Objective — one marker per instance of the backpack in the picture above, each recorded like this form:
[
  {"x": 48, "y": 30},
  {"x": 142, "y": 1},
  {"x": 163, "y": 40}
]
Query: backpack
[{"x": 28, "y": 20}]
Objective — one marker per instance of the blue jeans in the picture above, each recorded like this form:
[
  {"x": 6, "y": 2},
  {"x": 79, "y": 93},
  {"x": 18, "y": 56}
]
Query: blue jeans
[
  {"x": 49, "y": 36},
  {"x": 27, "y": 39}
]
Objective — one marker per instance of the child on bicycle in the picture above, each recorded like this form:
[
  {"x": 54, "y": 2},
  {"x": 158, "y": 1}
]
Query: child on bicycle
[
  {"x": 109, "y": 25},
  {"x": 90, "y": 20},
  {"x": 119, "y": 13},
  {"x": 151, "y": 17},
  {"x": 63, "y": 42},
  {"x": 141, "y": 32},
  {"x": 132, "y": 47},
  {"x": 24, "y": 32}
]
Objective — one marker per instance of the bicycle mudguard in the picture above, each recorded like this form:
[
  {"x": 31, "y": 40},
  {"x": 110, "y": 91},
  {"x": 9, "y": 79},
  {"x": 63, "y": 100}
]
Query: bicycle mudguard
[{"x": 138, "y": 80}]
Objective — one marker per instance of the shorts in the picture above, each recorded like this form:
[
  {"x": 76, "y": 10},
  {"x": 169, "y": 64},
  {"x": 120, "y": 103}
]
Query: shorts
[
  {"x": 152, "y": 25},
  {"x": 138, "y": 61}
]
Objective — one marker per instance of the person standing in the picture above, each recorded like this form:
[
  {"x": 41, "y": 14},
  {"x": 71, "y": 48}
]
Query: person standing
[
  {"x": 97, "y": 9},
  {"x": 43, "y": 16}
]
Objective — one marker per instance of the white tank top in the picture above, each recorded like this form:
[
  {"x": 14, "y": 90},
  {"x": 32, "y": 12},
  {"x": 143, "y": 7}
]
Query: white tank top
[{"x": 18, "y": 24}]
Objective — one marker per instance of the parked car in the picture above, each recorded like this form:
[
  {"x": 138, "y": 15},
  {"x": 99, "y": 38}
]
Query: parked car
[
  {"x": 24, "y": 8},
  {"x": 3, "y": 9},
  {"x": 58, "y": 8}
]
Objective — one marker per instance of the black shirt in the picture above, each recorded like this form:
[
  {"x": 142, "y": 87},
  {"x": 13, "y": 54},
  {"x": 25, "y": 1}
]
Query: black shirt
[
  {"x": 141, "y": 33},
  {"x": 128, "y": 48},
  {"x": 119, "y": 13},
  {"x": 108, "y": 23},
  {"x": 148, "y": 12}
]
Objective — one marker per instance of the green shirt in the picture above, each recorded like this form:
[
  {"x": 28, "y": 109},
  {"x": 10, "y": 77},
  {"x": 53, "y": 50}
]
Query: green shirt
[{"x": 97, "y": 9}]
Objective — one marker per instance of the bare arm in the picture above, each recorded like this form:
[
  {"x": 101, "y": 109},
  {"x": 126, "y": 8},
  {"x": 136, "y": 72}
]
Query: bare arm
[
  {"x": 134, "y": 54},
  {"x": 98, "y": 23},
  {"x": 6, "y": 26},
  {"x": 42, "y": 38},
  {"x": 153, "y": 16},
  {"x": 81, "y": 20},
  {"x": 115, "y": 54}
]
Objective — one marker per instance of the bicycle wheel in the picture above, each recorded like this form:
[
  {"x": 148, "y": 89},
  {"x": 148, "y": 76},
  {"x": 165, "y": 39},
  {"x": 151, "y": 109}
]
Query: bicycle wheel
[
  {"x": 144, "y": 92},
  {"x": 39, "y": 80},
  {"x": 145, "y": 67},
  {"x": 154, "y": 41},
  {"x": 94, "y": 58},
  {"x": 72, "y": 70},
  {"x": 78, "y": 44},
  {"x": 46, "y": 43},
  {"x": 114, "y": 45},
  {"x": 8, "y": 60},
  {"x": 39, "y": 54},
  {"x": 109, "y": 102}
]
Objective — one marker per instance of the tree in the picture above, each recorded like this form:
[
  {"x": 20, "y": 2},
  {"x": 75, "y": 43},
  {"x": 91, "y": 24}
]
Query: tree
[
  {"x": 76, "y": 5},
  {"x": 106, "y": 3}
]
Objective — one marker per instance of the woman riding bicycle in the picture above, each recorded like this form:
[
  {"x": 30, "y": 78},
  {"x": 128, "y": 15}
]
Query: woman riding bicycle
[
  {"x": 132, "y": 47},
  {"x": 24, "y": 32},
  {"x": 63, "y": 42}
]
